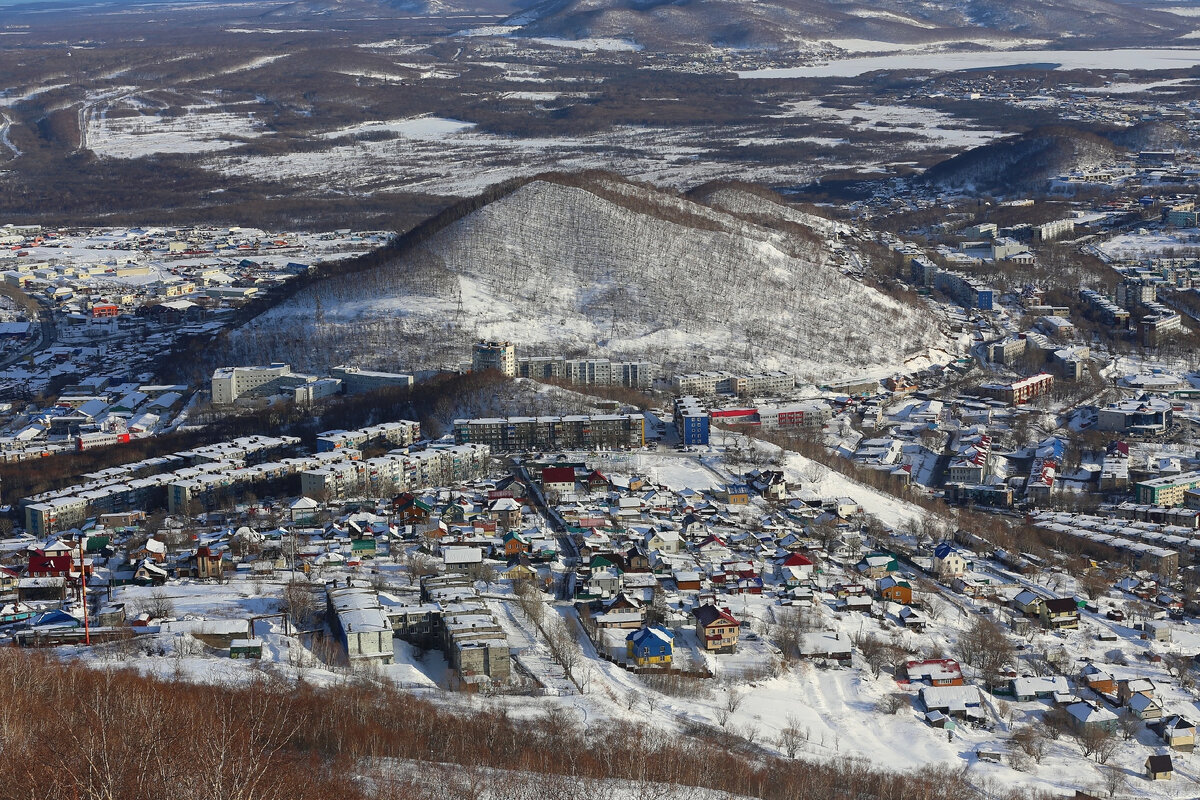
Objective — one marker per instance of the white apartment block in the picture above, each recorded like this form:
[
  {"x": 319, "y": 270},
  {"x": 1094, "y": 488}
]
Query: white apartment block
[{"x": 230, "y": 382}]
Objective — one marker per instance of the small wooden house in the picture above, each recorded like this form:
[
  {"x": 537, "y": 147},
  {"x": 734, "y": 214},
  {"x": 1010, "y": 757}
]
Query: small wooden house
[{"x": 1159, "y": 768}]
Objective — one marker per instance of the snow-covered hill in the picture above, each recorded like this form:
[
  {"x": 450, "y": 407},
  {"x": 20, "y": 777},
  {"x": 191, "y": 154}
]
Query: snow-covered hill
[
  {"x": 767, "y": 23},
  {"x": 600, "y": 266}
]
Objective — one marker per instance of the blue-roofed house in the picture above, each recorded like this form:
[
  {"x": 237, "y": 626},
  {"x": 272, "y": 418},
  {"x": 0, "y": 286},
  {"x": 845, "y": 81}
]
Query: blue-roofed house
[{"x": 650, "y": 644}]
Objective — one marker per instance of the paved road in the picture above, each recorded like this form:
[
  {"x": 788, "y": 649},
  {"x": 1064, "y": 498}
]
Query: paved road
[{"x": 47, "y": 334}]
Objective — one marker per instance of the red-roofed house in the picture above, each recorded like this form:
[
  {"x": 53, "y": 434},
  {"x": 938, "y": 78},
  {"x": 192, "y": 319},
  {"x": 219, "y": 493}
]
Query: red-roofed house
[
  {"x": 596, "y": 482},
  {"x": 717, "y": 629},
  {"x": 558, "y": 480},
  {"x": 938, "y": 671},
  {"x": 48, "y": 566}
]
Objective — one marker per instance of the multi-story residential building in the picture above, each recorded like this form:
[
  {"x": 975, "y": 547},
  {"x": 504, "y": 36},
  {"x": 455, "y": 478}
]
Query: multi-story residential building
[
  {"x": 972, "y": 464},
  {"x": 1181, "y": 215},
  {"x": 698, "y": 384},
  {"x": 1106, "y": 310},
  {"x": 1008, "y": 350},
  {"x": 807, "y": 414},
  {"x": 398, "y": 434},
  {"x": 1136, "y": 292},
  {"x": 1021, "y": 391},
  {"x": 691, "y": 421},
  {"x": 706, "y": 384},
  {"x": 475, "y": 644},
  {"x": 360, "y": 624},
  {"x": 1159, "y": 324},
  {"x": 1049, "y": 231},
  {"x": 500, "y": 356},
  {"x": 637, "y": 374},
  {"x": 592, "y": 371},
  {"x": 967, "y": 292},
  {"x": 588, "y": 371},
  {"x": 520, "y": 434},
  {"x": 1168, "y": 490},
  {"x": 1149, "y": 415}
]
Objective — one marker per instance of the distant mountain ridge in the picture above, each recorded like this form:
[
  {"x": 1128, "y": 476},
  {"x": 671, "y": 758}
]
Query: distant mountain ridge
[
  {"x": 774, "y": 23},
  {"x": 597, "y": 265}
]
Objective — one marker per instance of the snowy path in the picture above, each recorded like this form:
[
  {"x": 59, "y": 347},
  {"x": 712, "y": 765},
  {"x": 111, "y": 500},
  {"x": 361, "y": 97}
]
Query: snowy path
[{"x": 5, "y": 127}]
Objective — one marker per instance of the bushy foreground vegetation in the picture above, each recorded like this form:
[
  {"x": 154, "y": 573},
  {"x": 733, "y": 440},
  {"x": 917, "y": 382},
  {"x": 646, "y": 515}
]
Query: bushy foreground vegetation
[{"x": 71, "y": 731}]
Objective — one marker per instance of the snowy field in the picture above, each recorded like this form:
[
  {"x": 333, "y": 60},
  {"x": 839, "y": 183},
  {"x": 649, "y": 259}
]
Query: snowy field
[
  {"x": 1139, "y": 245},
  {"x": 132, "y": 137},
  {"x": 1150, "y": 59},
  {"x": 922, "y": 122}
]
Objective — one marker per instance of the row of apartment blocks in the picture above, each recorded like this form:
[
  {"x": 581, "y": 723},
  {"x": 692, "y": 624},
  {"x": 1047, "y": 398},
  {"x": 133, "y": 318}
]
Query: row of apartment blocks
[
  {"x": 1105, "y": 309},
  {"x": 589, "y": 371},
  {"x": 450, "y": 615},
  {"x": 204, "y": 476},
  {"x": 706, "y": 384},
  {"x": 230, "y": 383},
  {"x": 474, "y": 642},
  {"x": 142, "y": 484},
  {"x": 502, "y": 357},
  {"x": 400, "y": 434},
  {"x": 1071, "y": 361},
  {"x": 966, "y": 291},
  {"x": 577, "y": 432},
  {"x": 398, "y": 471}
]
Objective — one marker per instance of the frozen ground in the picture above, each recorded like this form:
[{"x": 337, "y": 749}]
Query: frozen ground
[
  {"x": 1149, "y": 59},
  {"x": 131, "y": 137}
]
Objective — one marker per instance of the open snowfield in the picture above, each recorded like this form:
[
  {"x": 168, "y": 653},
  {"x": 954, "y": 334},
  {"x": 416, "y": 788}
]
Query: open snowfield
[
  {"x": 132, "y": 137},
  {"x": 1149, "y": 245},
  {"x": 1150, "y": 59},
  {"x": 922, "y": 122}
]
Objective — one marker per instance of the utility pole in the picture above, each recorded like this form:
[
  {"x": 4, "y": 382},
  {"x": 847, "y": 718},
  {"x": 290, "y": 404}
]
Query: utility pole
[{"x": 87, "y": 630}]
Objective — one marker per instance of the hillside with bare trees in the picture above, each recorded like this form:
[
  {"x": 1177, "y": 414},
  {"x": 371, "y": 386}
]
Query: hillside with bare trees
[{"x": 594, "y": 264}]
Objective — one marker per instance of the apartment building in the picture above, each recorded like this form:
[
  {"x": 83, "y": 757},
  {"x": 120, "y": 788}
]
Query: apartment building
[
  {"x": 1049, "y": 231},
  {"x": 1008, "y": 350},
  {"x": 576, "y": 432},
  {"x": 1021, "y": 391},
  {"x": 398, "y": 434},
  {"x": 589, "y": 371},
  {"x": 1168, "y": 490},
  {"x": 500, "y": 356},
  {"x": 1105, "y": 309},
  {"x": 967, "y": 292},
  {"x": 706, "y": 384},
  {"x": 1161, "y": 323},
  {"x": 808, "y": 414},
  {"x": 359, "y": 623},
  {"x": 691, "y": 421}
]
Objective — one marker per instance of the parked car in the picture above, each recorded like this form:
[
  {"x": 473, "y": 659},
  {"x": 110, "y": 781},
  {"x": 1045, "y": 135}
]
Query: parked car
[{"x": 1115, "y": 615}]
